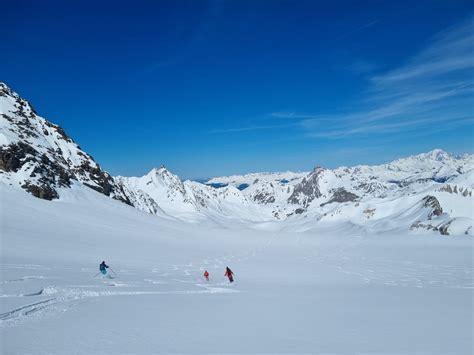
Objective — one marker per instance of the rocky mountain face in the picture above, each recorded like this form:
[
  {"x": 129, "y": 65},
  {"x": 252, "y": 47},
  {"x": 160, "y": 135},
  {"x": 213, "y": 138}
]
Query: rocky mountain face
[
  {"x": 430, "y": 191},
  {"x": 308, "y": 189},
  {"x": 40, "y": 157}
]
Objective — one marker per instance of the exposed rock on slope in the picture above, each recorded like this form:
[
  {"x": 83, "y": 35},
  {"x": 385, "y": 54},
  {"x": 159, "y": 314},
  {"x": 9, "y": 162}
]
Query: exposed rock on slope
[
  {"x": 39, "y": 157},
  {"x": 341, "y": 195},
  {"x": 308, "y": 189},
  {"x": 432, "y": 203}
]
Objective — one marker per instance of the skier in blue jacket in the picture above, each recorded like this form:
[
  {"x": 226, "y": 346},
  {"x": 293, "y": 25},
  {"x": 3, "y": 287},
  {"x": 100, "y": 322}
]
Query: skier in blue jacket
[{"x": 103, "y": 268}]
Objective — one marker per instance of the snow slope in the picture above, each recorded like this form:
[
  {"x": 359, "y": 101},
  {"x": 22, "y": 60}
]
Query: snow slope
[{"x": 337, "y": 288}]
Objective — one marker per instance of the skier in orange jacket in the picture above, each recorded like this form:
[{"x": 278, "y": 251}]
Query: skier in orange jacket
[
  {"x": 229, "y": 274},
  {"x": 206, "y": 275}
]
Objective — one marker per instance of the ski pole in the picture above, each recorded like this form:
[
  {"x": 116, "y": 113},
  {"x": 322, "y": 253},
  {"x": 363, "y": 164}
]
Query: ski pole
[
  {"x": 96, "y": 274},
  {"x": 112, "y": 270}
]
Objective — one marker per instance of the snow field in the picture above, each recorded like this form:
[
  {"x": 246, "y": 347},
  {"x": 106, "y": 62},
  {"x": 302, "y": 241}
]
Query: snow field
[{"x": 338, "y": 288}]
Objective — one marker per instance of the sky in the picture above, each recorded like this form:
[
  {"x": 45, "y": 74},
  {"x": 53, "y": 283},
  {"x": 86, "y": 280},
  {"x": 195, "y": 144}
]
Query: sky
[{"x": 210, "y": 88}]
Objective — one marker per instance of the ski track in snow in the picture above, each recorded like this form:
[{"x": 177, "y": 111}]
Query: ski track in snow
[
  {"x": 68, "y": 296},
  {"x": 25, "y": 266},
  {"x": 25, "y": 278},
  {"x": 168, "y": 277},
  {"x": 381, "y": 271},
  {"x": 186, "y": 279}
]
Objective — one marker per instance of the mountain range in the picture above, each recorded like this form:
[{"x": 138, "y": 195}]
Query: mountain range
[{"x": 427, "y": 193}]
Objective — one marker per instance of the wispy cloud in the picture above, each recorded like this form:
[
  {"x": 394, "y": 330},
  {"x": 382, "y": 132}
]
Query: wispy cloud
[
  {"x": 387, "y": 127},
  {"x": 432, "y": 90},
  {"x": 450, "y": 51},
  {"x": 358, "y": 29},
  {"x": 290, "y": 115},
  {"x": 252, "y": 128},
  {"x": 434, "y": 87}
]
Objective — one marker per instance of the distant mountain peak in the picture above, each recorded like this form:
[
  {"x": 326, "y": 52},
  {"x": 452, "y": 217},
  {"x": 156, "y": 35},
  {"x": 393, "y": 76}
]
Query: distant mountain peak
[
  {"x": 317, "y": 169},
  {"x": 162, "y": 173},
  {"x": 439, "y": 154}
]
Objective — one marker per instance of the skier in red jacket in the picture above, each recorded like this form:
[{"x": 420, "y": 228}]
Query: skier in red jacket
[
  {"x": 229, "y": 274},
  {"x": 206, "y": 275}
]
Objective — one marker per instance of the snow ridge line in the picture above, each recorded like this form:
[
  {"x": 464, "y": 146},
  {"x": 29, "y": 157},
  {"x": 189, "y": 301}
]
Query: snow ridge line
[{"x": 29, "y": 308}]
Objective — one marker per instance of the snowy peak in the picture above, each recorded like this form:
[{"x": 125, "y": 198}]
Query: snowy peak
[
  {"x": 164, "y": 177},
  {"x": 159, "y": 171},
  {"x": 439, "y": 155},
  {"x": 39, "y": 157},
  {"x": 12, "y": 102},
  {"x": 159, "y": 187},
  {"x": 308, "y": 189}
]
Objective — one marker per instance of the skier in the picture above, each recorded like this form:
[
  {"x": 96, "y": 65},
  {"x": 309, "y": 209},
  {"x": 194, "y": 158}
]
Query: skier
[
  {"x": 206, "y": 275},
  {"x": 103, "y": 268},
  {"x": 229, "y": 274}
]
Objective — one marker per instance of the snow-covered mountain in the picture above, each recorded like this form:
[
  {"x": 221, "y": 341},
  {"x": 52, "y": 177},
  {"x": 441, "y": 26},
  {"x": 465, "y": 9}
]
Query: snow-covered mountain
[
  {"x": 189, "y": 200},
  {"x": 241, "y": 181},
  {"x": 426, "y": 192},
  {"x": 39, "y": 157}
]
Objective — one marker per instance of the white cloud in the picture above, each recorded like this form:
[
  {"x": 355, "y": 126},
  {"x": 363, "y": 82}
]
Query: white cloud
[
  {"x": 251, "y": 128},
  {"x": 436, "y": 82}
]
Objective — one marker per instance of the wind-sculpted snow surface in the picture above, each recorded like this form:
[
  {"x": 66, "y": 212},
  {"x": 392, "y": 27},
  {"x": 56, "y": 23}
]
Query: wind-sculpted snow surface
[{"x": 336, "y": 287}]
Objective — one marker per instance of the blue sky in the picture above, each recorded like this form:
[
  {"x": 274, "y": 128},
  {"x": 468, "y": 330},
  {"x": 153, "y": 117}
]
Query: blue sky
[{"x": 223, "y": 87}]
